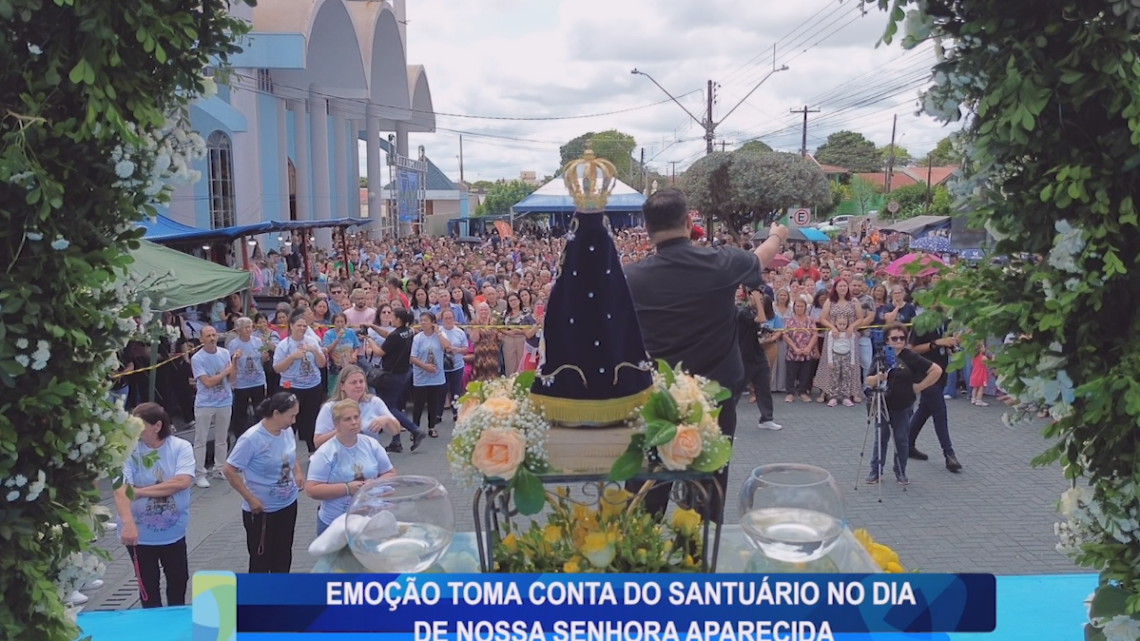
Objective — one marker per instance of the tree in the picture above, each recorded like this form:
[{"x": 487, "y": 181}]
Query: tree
[
  {"x": 902, "y": 156},
  {"x": 482, "y": 185},
  {"x": 1052, "y": 134},
  {"x": 755, "y": 146},
  {"x": 741, "y": 188},
  {"x": 612, "y": 145},
  {"x": 862, "y": 193},
  {"x": 502, "y": 196},
  {"x": 912, "y": 201},
  {"x": 93, "y": 128},
  {"x": 851, "y": 151},
  {"x": 942, "y": 155}
]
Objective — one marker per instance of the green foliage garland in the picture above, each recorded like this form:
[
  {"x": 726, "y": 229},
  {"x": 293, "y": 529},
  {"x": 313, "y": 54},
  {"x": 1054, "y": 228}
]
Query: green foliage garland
[
  {"x": 93, "y": 125},
  {"x": 1049, "y": 157}
]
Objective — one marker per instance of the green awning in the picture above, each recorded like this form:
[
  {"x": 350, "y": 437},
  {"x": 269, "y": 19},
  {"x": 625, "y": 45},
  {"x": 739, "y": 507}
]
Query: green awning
[{"x": 193, "y": 281}]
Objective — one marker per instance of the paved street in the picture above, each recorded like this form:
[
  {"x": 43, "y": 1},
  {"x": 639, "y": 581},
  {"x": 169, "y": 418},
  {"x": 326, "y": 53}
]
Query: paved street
[{"x": 995, "y": 516}]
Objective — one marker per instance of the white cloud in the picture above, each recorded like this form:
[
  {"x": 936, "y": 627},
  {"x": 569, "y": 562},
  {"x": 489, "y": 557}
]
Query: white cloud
[{"x": 517, "y": 58}]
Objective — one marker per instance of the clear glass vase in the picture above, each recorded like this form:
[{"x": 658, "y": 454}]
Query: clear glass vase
[
  {"x": 408, "y": 524},
  {"x": 791, "y": 512}
]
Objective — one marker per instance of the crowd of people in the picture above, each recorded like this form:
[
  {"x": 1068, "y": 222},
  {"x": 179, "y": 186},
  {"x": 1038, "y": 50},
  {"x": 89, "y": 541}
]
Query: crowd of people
[{"x": 336, "y": 346}]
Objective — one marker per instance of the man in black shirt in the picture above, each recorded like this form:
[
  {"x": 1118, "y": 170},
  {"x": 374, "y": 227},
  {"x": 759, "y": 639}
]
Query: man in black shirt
[
  {"x": 756, "y": 369},
  {"x": 906, "y": 379},
  {"x": 931, "y": 404},
  {"x": 685, "y": 297},
  {"x": 395, "y": 361}
]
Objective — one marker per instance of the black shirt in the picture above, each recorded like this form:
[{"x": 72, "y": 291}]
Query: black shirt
[
  {"x": 748, "y": 331},
  {"x": 685, "y": 297},
  {"x": 397, "y": 351},
  {"x": 909, "y": 368},
  {"x": 937, "y": 354}
]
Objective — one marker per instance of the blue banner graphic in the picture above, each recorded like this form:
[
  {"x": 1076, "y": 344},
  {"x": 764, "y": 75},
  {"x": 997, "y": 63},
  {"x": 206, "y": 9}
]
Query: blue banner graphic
[
  {"x": 528, "y": 607},
  {"x": 408, "y": 195}
]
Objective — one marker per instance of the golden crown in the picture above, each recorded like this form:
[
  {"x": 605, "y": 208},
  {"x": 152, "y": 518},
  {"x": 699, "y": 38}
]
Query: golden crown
[{"x": 589, "y": 181}]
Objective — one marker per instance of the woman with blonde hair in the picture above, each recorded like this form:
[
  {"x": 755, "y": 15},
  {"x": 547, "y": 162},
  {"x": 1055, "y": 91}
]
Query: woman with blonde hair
[
  {"x": 344, "y": 463},
  {"x": 374, "y": 414}
]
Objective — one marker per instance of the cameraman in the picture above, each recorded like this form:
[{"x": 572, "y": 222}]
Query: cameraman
[
  {"x": 754, "y": 328},
  {"x": 905, "y": 379}
]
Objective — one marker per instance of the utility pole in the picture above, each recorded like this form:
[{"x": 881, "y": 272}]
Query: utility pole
[
  {"x": 461, "y": 158},
  {"x": 805, "y": 111},
  {"x": 673, "y": 178},
  {"x": 929, "y": 180},
  {"x": 709, "y": 126},
  {"x": 891, "y": 159},
  {"x": 643, "y": 187},
  {"x": 708, "y": 123}
]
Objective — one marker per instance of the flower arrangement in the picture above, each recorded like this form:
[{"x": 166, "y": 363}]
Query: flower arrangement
[
  {"x": 680, "y": 431},
  {"x": 616, "y": 536},
  {"x": 885, "y": 557},
  {"x": 500, "y": 434}
]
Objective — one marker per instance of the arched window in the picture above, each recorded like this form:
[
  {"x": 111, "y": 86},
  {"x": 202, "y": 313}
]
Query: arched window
[{"x": 220, "y": 157}]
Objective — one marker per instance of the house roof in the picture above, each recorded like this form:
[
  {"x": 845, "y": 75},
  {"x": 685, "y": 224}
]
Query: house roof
[
  {"x": 827, "y": 169},
  {"x": 436, "y": 179},
  {"x": 904, "y": 176},
  {"x": 937, "y": 175}
]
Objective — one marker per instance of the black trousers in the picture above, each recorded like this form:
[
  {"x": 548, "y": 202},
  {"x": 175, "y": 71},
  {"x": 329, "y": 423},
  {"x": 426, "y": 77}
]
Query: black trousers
[
  {"x": 176, "y": 567},
  {"x": 799, "y": 375},
  {"x": 245, "y": 404},
  {"x": 760, "y": 375},
  {"x": 306, "y": 424},
  {"x": 269, "y": 539},
  {"x": 428, "y": 397},
  {"x": 657, "y": 499}
]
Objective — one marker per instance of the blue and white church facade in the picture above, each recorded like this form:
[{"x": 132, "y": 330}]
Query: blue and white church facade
[{"x": 315, "y": 77}]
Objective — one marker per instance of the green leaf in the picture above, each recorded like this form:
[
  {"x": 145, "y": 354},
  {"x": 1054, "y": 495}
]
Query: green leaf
[
  {"x": 12, "y": 368},
  {"x": 661, "y": 406},
  {"x": 696, "y": 414},
  {"x": 1069, "y": 77},
  {"x": 525, "y": 380},
  {"x": 1108, "y": 601},
  {"x": 659, "y": 432},
  {"x": 530, "y": 495},
  {"x": 77, "y": 72},
  {"x": 627, "y": 465},
  {"x": 714, "y": 457},
  {"x": 666, "y": 372}
]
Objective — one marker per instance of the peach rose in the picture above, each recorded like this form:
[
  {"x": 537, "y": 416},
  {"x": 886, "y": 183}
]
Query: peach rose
[
  {"x": 498, "y": 453},
  {"x": 679, "y": 453},
  {"x": 501, "y": 408},
  {"x": 468, "y": 406}
]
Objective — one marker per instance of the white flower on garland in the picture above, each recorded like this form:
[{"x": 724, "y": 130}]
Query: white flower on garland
[
  {"x": 1121, "y": 628},
  {"x": 1067, "y": 246}
]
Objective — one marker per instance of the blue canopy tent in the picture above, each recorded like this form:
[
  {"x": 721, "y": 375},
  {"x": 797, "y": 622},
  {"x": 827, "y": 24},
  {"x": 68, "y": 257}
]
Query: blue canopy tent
[{"x": 623, "y": 207}]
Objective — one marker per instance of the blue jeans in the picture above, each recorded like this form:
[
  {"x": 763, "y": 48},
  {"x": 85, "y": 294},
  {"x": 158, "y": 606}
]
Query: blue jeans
[
  {"x": 866, "y": 353},
  {"x": 931, "y": 404},
  {"x": 898, "y": 423},
  {"x": 952, "y": 379},
  {"x": 454, "y": 387},
  {"x": 321, "y": 525},
  {"x": 390, "y": 392}
]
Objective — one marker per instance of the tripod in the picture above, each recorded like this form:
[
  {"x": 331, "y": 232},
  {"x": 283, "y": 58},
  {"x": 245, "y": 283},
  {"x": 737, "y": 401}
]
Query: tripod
[{"x": 879, "y": 416}]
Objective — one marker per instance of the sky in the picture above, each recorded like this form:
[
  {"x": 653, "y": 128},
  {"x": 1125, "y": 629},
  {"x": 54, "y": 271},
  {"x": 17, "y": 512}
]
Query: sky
[{"x": 520, "y": 60}]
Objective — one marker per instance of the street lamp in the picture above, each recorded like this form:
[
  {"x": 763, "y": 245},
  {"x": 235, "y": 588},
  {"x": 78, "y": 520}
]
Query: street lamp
[{"x": 708, "y": 123}]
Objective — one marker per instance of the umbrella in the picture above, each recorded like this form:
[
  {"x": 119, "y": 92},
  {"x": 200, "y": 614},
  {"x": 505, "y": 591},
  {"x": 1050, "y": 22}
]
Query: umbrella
[
  {"x": 797, "y": 234},
  {"x": 927, "y": 265},
  {"x": 829, "y": 229},
  {"x": 971, "y": 254},
  {"x": 778, "y": 261},
  {"x": 932, "y": 244},
  {"x": 469, "y": 240}
]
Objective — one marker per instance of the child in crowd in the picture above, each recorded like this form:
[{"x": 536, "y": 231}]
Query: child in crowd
[{"x": 979, "y": 376}]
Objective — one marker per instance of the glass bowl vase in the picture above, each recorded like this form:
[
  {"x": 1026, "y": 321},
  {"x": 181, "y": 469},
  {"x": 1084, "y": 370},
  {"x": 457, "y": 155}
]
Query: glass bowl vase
[
  {"x": 407, "y": 524},
  {"x": 791, "y": 512}
]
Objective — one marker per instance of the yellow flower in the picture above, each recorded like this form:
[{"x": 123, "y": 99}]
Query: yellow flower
[
  {"x": 864, "y": 538},
  {"x": 893, "y": 568},
  {"x": 642, "y": 555},
  {"x": 551, "y": 534},
  {"x": 511, "y": 543},
  {"x": 571, "y": 567},
  {"x": 563, "y": 492},
  {"x": 686, "y": 521},
  {"x": 598, "y": 550},
  {"x": 614, "y": 502},
  {"x": 668, "y": 547},
  {"x": 688, "y": 562}
]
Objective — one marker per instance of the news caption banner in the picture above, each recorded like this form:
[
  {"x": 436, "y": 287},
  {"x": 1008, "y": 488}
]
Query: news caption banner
[{"x": 610, "y": 607}]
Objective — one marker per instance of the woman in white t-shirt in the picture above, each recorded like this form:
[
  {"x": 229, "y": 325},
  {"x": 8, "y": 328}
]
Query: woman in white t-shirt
[
  {"x": 152, "y": 523},
  {"x": 344, "y": 464},
  {"x": 453, "y": 361},
  {"x": 263, "y": 469},
  {"x": 375, "y": 418},
  {"x": 299, "y": 359}
]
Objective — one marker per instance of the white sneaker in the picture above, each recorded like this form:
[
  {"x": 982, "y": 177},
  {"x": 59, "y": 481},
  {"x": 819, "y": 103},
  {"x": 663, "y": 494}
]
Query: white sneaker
[
  {"x": 76, "y": 598},
  {"x": 94, "y": 585},
  {"x": 110, "y": 526},
  {"x": 770, "y": 425},
  {"x": 202, "y": 482},
  {"x": 218, "y": 474}
]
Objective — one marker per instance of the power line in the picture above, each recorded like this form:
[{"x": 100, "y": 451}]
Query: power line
[{"x": 729, "y": 77}]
